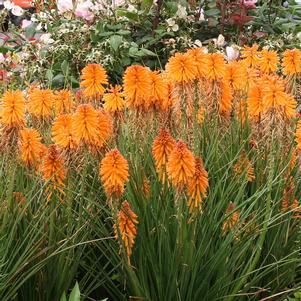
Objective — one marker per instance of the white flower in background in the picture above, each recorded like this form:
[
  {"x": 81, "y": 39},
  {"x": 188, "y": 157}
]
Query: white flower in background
[
  {"x": 17, "y": 11},
  {"x": 24, "y": 55},
  {"x": 198, "y": 43},
  {"x": 298, "y": 1},
  {"x": 172, "y": 26},
  {"x": 33, "y": 18},
  {"x": 181, "y": 12},
  {"x": 64, "y": 6},
  {"x": 118, "y": 2},
  {"x": 98, "y": 6},
  {"x": 132, "y": 8},
  {"x": 298, "y": 35},
  {"x": 44, "y": 16},
  {"x": 220, "y": 41},
  {"x": 39, "y": 26},
  {"x": 46, "y": 38},
  {"x": 26, "y": 23},
  {"x": 8, "y": 4},
  {"x": 232, "y": 52},
  {"x": 202, "y": 15}
]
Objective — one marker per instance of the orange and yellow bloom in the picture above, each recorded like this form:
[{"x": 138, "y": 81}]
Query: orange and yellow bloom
[
  {"x": 62, "y": 132},
  {"x": 162, "y": 147},
  {"x": 291, "y": 61},
  {"x": 40, "y": 103},
  {"x": 125, "y": 228},
  {"x": 181, "y": 68},
  {"x": 13, "y": 109},
  {"x": 53, "y": 170},
  {"x": 93, "y": 77},
  {"x": 114, "y": 100},
  {"x": 137, "y": 87},
  {"x": 31, "y": 148},
  {"x": 114, "y": 173},
  {"x": 181, "y": 165},
  {"x": 198, "y": 186}
]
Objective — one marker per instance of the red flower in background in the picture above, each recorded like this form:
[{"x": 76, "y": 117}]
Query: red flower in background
[
  {"x": 23, "y": 3},
  {"x": 239, "y": 18},
  {"x": 3, "y": 75}
]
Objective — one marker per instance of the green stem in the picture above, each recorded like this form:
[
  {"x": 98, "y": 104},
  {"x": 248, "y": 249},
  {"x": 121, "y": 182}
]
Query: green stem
[{"x": 256, "y": 258}]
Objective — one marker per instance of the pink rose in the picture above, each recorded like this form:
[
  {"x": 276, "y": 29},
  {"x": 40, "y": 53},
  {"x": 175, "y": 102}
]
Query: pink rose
[
  {"x": 83, "y": 10},
  {"x": 64, "y": 6},
  {"x": 26, "y": 23},
  {"x": 250, "y": 3}
]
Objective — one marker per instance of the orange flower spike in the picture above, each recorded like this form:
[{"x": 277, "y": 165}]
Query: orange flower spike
[
  {"x": 268, "y": 61},
  {"x": 201, "y": 61},
  {"x": 172, "y": 97},
  {"x": 201, "y": 115},
  {"x": 19, "y": 198},
  {"x": 236, "y": 74},
  {"x": 137, "y": 87},
  {"x": 53, "y": 168},
  {"x": 255, "y": 101},
  {"x": 114, "y": 99},
  {"x": 13, "y": 108},
  {"x": 161, "y": 149},
  {"x": 290, "y": 106},
  {"x": 181, "y": 68},
  {"x": 250, "y": 55},
  {"x": 232, "y": 220},
  {"x": 296, "y": 209},
  {"x": 93, "y": 77},
  {"x": 274, "y": 96},
  {"x": 298, "y": 135},
  {"x": 244, "y": 165},
  {"x": 216, "y": 66},
  {"x": 146, "y": 189},
  {"x": 114, "y": 173},
  {"x": 198, "y": 186},
  {"x": 104, "y": 128},
  {"x": 293, "y": 159},
  {"x": 252, "y": 76},
  {"x": 226, "y": 97},
  {"x": 241, "y": 112},
  {"x": 284, "y": 204},
  {"x": 180, "y": 165},
  {"x": 40, "y": 103},
  {"x": 62, "y": 133},
  {"x": 85, "y": 124},
  {"x": 291, "y": 61},
  {"x": 31, "y": 147},
  {"x": 127, "y": 229},
  {"x": 159, "y": 89},
  {"x": 63, "y": 102}
]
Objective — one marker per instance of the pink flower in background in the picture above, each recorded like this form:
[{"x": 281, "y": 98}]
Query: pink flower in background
[
  {"x": 250, "y": 3},
  {"x": 64, "y": 6},
  {"x": 83, "y": 10},
  {"x": 26, "y": 23},
  {"x": 2, "y": 58}
]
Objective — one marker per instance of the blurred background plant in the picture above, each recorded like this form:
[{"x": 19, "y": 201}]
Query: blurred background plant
[{"x": 59, "y": 39}]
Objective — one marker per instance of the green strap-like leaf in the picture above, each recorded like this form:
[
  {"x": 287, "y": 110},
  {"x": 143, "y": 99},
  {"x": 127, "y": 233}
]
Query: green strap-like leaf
[{"x": 75, "y": 294}]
